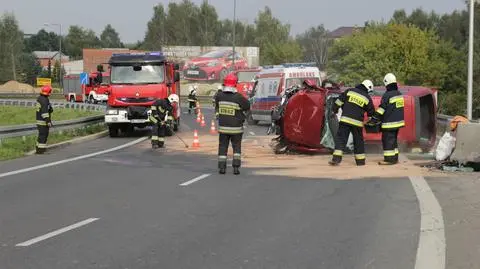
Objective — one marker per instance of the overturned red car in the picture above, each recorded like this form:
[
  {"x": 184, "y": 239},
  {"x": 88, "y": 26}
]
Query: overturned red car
[{"x": 301, "y": 118}]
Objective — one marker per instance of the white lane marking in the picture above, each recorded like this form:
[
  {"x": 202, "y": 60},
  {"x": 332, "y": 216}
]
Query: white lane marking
[
  {"x": 195, "y": 180},
  {"x": 251, "y": 133},
  {"x": 33, "y": 168},
  {"x": 431, "y": 245},
  {"x": 57, "y": 232}
]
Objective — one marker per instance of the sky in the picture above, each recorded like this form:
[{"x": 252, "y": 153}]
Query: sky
[{"x": 130, "y": 17}]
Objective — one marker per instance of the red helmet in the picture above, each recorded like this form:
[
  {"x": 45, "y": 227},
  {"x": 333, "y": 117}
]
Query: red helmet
[
  {"x": 46, "y": 90},
  {"x": 230, "y": 80}
]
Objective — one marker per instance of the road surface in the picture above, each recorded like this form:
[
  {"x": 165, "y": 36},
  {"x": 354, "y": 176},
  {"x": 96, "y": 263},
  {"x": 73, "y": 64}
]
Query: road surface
[{"x": 132, "y": 207}]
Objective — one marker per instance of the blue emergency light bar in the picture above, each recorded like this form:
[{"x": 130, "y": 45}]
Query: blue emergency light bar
[{"x": 152, "y": 53}]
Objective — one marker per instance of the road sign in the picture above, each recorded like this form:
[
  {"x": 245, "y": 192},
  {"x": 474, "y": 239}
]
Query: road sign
[
  {"x": 44, "y": 81},
  {"x": 83, "y": 78}
]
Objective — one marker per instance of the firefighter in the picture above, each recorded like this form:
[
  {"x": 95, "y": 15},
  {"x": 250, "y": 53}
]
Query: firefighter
[
  {"x": 390, "y": 114},
  {"x": 219, "y": 90},
  {"x": 192, "y": 100},
  {"x": 44, "y": 118},
  {"x": 162, "y": 110},
  {"x": 354, "y": 103},
  {"x": 230, "y": 108}
]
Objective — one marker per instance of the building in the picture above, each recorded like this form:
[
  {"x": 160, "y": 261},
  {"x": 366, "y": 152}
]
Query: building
[
  {"x": 344, "y": 31},
  {"x": 94, "y": 57},
  {"x": 73, "y": 67},
  {"x": 54, "y": 56}
]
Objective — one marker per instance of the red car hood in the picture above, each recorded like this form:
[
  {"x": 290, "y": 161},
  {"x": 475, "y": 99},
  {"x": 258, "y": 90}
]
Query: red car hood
[
  {"x": 201, "y": 60},
  {"x": 143, "y": 90}
]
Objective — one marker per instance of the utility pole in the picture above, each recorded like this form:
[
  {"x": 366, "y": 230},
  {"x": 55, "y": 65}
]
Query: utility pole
[
  {"x": 470, "y": 60},
  {"x": 234, "y": 25},
  {"x": 13, "y": 66}
]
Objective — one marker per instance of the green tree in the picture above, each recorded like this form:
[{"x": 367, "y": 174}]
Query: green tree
[
  {"x": 30, "y": 67},
  {"x": 11, "y": 47},
  {"x": 79, "y": 38},
  {"x": 208, "y": 24},
  {"x": 156, "y": 36},
  {"x": 315, "y": 44},
  {"x": 270, "y": 33},
  {"x": 372, "y": 54},
  {"x": 110, "y": 38},
  {"x": 42, "y": 41}
]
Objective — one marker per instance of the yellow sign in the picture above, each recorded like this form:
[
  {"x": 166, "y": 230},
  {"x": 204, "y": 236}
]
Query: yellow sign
[{"x": 44, "y": 81}]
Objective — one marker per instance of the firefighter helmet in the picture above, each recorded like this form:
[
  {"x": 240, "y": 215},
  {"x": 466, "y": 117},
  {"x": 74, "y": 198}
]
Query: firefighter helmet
[
  {"x": 46, "y": 90},
  {"x": 230, "y": 80},
  {"x": 173, "y": 98},
  {"x": 389, "y": 79},
  {"x": 368, "y": 84}
]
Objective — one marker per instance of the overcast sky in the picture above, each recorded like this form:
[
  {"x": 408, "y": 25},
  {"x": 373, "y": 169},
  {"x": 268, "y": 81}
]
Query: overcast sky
[{"x": 129, "y": 17}]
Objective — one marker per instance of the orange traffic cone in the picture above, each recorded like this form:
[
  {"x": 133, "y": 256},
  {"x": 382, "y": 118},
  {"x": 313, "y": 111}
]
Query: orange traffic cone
[
  {"x": 212, "y": 128},
  {"x": 196, "y": 141},
  {"x": 198, "y": 117},
  {"x": 203, "y": 122}
]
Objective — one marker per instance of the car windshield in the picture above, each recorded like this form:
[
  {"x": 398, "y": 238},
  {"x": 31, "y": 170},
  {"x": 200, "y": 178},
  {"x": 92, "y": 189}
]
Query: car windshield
[
  {"x": 147, "y": 74},
  {"x": 214, "y": 54},
  {"x": 299, "y": 81},
  {"x": 246, "y": 76}
]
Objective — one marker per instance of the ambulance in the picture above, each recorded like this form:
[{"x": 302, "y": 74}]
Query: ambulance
[{"x": 271, "y": 82}]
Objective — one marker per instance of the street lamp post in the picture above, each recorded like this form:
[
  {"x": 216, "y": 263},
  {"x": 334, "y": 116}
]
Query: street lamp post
[
  {"x": 234, "y": 25},
  {"x": 59, "y": 50}
]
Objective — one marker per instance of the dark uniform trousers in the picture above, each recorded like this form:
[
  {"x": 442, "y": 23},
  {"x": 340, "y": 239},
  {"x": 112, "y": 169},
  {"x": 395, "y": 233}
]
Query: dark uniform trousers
[
  {"x": 341, "y": 140},
  {"x": 43, "y": 132},
  {"x": 191, "y": 105},
  {"x": 223, "y": 143},
  {"x": 390, "y": 145},
  {"x": 158, "y": 133}
]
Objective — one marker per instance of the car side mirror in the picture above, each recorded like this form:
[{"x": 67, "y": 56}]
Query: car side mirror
[{"x": 177, "y": 77}]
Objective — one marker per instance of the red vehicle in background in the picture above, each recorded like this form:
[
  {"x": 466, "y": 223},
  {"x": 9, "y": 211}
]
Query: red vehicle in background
[
  {"x": 213, "y": 66},
  {"x": 92, "y": 92},
  {"x": 136, "y": 81},
  {"x": 246, "y": 80}
]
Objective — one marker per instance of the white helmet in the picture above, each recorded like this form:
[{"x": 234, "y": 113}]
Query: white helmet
[
  {"x": 368, "y": 84},
  {"x": 195, "y": 87},
  {"x": 173, "y": 98},
  {"x": 389, "y": 79}
]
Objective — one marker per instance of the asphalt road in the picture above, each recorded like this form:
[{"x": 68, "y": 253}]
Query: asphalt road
[{"x": 136, "y": 208}]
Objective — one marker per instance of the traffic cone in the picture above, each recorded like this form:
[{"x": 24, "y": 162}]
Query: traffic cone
[
  {"x": 203, "y": 122},
  {"x": 198, "y": 117},
  {"x": 212, "y": 128},
  {"x": 196, "y": 141}
]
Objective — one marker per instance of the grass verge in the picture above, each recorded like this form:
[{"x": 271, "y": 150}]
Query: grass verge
[
  {"x": 15, "y": 147},
  {"x": 13, "y": 115}
]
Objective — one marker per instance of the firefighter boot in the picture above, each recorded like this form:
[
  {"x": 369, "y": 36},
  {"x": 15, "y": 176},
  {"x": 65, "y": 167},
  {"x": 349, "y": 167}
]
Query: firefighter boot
[
  {"x": 236, "y": 170},
  {"x": 40, "y": 150},
  {"x": 161, "y": 144},
  {"x": 222, "y": 167},
  {"x": 154, "y": 144}
]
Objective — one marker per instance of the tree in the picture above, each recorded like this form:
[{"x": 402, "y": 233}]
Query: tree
[
  {"x": 79, "y": 38},
  {"x": 11, "y": 46},
  {"x": 110, "y": 38},
  {"x": 30, "y": 67},
  {"x": 372, "y": 54},
  {"x": 208, "y": 24},
  {"x": 42, "y": 41},
  {"x": 155, "y": 37},
  {"x": 270, "y": 32},
  {"x": 315, "y": 43}
]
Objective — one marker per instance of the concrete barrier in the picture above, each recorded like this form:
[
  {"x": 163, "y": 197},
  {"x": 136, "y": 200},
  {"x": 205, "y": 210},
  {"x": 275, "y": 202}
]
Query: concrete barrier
[{"x": 467, "y": 147}]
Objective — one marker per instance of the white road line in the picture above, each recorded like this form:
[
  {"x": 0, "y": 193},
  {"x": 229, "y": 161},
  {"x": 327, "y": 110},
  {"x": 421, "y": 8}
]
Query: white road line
[
  {"x": 251, "y": 133},
  {"x": 431, "y": 245},
  {"x": 195, "y": 180},
  {"x": 57, "y": 232},
  {"x": 33, "y": 168}
]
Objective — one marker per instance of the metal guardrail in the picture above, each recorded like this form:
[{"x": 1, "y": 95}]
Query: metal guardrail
[{"x": 28, "y": 129}]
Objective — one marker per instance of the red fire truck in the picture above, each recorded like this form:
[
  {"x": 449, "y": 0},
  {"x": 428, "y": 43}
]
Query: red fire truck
[
  {"x": 136, "y": 81},
  {"x": 91, "y": 92}
]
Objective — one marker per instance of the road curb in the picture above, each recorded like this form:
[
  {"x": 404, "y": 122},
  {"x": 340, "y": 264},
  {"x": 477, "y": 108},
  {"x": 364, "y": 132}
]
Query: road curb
[{"x": 73, "y": 141}]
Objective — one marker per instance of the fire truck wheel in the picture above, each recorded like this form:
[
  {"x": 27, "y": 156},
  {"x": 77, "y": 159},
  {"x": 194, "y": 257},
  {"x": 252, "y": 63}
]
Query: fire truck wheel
[{"x": 113, "y": 131}]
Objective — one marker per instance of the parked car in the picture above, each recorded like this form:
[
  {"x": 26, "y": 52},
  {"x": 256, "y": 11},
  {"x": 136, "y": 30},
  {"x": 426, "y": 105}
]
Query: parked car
[{"x": 213, "y": 66}]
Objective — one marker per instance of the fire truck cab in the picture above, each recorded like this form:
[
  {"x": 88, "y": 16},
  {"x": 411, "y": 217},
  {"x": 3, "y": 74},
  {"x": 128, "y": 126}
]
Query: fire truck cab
[
  {"x": 271, "y": 82},
  {"x": 136, "y": 81}
]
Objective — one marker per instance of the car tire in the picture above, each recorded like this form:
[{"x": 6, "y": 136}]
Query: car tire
[{"x": 113, "y": 131}]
